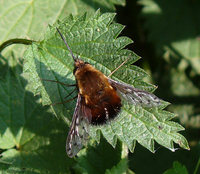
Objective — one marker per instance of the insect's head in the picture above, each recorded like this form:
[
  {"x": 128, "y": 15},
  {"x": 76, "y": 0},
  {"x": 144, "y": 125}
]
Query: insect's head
[{"x": 78, "y": 64}]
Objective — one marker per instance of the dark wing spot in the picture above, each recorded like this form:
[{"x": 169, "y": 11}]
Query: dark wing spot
[{"x": 68, "y": 149}]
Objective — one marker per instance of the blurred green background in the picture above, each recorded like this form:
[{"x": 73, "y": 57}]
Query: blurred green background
[{"x": 166, "y": 35}]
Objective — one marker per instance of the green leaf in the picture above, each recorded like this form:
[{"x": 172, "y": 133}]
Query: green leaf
[
  {"x": 174, "y": 28},
  {"x": 95, "y": 39},
  {"x": 120, "y": 168},
  {"x": 178, "y": 168},
  {"x": 31, "y": 139},
  {"x": 30, "y": 18},
  {"x": 98, "y": 158}
]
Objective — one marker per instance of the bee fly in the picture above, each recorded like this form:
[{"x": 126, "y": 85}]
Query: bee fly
[{"x": 99, "y": 100}]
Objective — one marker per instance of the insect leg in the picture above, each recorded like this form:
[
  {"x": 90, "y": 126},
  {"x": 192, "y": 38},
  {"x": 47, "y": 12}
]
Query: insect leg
[
  {"x": 118, "y": 67},
  {"x": 53, "y": 104},
  {"x": 71, "y": 93},
  {"x": 58, "y": 82}
]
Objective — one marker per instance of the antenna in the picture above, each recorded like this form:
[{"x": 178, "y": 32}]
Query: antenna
[{"x": 66, "y": 44}]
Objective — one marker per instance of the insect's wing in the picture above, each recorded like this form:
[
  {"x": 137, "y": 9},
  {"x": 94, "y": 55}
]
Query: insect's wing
[
  {"x": 134, "y": 95},
  {"x": 78, "y": 133}
]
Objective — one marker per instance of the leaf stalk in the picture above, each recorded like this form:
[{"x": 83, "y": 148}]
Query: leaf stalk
[{"x": 15, "y": 41}]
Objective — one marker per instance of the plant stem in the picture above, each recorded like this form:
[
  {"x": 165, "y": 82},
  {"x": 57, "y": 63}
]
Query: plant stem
[
  {"x": 197, "y": 167},
  {"x": 15, "y": 41},
  {"x": 124, "y": 153}
]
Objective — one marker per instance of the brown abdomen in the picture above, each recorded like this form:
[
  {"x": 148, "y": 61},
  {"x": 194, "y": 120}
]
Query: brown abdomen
[{"x": 98, "y": 95}]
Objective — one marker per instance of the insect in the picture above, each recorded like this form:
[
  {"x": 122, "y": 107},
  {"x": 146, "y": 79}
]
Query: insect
[{"x": 99, "y": 100}]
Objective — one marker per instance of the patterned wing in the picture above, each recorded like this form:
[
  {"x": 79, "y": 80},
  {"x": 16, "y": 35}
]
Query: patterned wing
[
  {"x": 134, "y": 95},
  {"x": 78, "y": 133}
]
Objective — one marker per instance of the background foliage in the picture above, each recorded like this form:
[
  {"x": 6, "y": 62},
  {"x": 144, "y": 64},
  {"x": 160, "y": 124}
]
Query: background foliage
[{"x": 166, "y": 35}]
